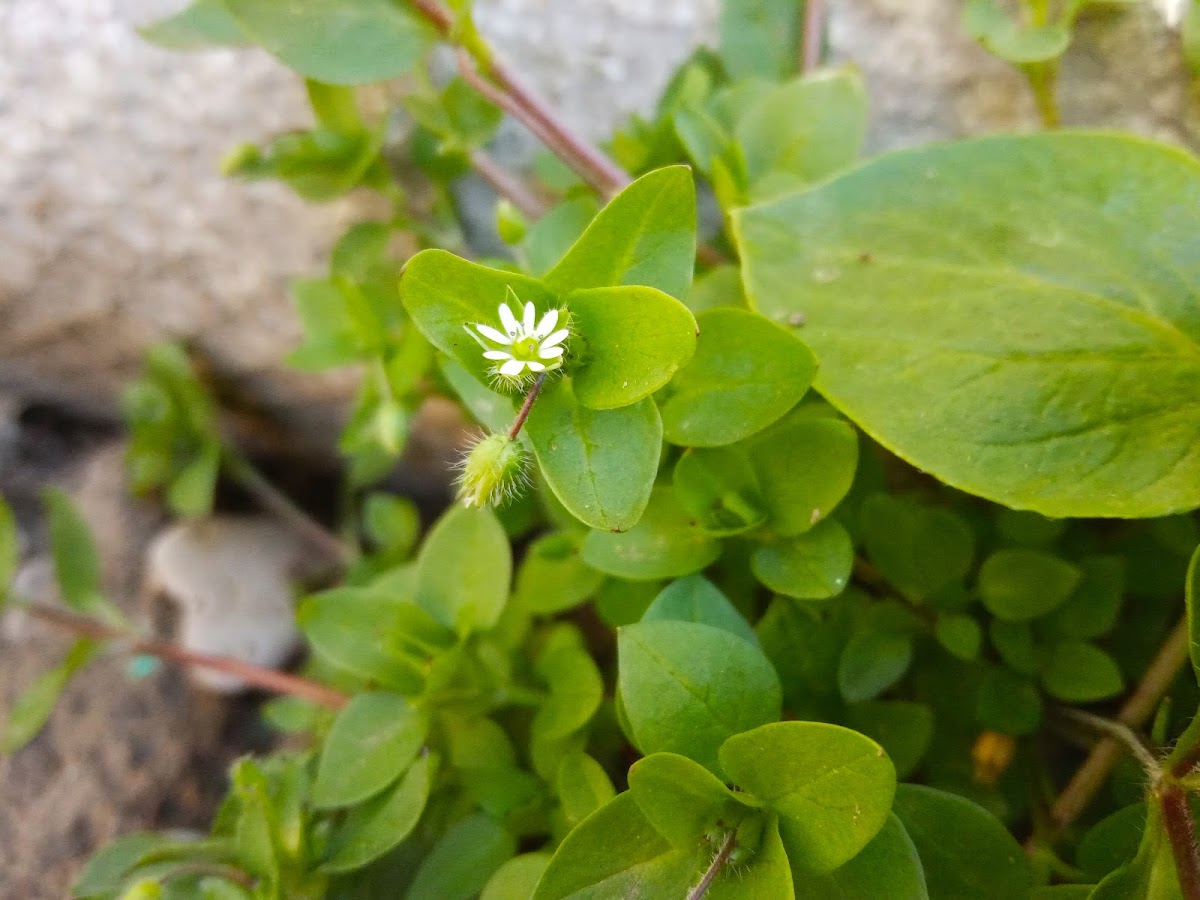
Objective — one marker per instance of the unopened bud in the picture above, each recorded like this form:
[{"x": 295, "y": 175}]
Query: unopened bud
[{"x": 492, "y": 472}]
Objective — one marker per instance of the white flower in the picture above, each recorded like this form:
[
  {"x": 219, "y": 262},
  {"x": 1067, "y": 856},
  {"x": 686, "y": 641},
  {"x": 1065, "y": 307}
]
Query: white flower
[
  {"x": 522, "y": 347},
  {"x": 1172, "y": 11}
]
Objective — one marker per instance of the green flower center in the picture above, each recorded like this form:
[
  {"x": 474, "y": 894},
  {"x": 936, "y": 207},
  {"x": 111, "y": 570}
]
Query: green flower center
[{"x": 526, "y": 349}]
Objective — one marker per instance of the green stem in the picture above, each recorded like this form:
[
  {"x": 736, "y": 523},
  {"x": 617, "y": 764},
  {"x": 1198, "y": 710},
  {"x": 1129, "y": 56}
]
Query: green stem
[
  {"x": 1043, "y": 81},
  {"x": 714, "y": 869}
]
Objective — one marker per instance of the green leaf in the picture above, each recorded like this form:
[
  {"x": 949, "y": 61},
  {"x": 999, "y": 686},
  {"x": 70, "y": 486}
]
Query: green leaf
[
  {"x": 191, "y": 491},
  {"x": 903, "y": 728},
  {"x": 1193, "y": 613},
  {"x": 1014, "y": 642},
  {"x": 203, "y": 24},
  {"x": 634, "y": 339},
  {"x": 747, "y": 372},
  {"x": 1151, "y": 874},
  {"x": 810, "y": 566},
  {"x": 831, "y": 787},
  {"x": 254, "y": 831},
  {"x": 372, "y": 740},
  {"x": 720, "y": 489},
  {"x": 1079, "y": 672},
  {"x": 76, "y": 565},
  {"x": 31, "y": 709},
  {"x": 1018, "y": 585},
  {"x": 582, "y": 786},
  {"x": 1111, "y": 842},
  {"x": 872, "y": 661},
  {"x": 1057, "y": 330},
  {"x": 517, "y": 878},
  {"x": 576, "y": 687},
  {"x": 663, "y": 544},
  {"x": 332, "y": 336},
  {"x": 887, "y": 867},
  {"x": 554, "y": 233},
  {"x": 392, "y": 523},
  {"x": 808, "y": 461},
  {"x": 9, "y": 548},
  {"x": 960, "y": 634},
  {"x": 646, "y": 235},
  {"x": 759, "y": 864},
  {"x": 985, "y": 21},
  {"x": 760, "y": 38},
  {"x": 444, "y": 294},
  {"x": 462, "y": 861},
  {"x": 615, "y": 852},
  {"x": 682, "y": 799},
  {"x": 696, "y": 599},
  {"x": 803, "y": 131},
  {"x": 1009, "y": 703},
  {"x": 375, "y": 827},
  {"x": 600, "y": 464},
  {"x": 1091, "y": 610},
  {"x": 464, "y": 569},
  {"x": 553, "y": 576},
  {"x": 686, "y": 687},
  {"x": 335, "y": 42},
  {"x": 105, "y": 872},
  {"x": 920, "y": 549},
  {"x": 965, "y": 850}
]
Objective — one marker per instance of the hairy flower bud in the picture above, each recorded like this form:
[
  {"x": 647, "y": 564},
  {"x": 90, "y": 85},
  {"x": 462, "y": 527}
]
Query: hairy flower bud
[{"x": 492, "y": 471}]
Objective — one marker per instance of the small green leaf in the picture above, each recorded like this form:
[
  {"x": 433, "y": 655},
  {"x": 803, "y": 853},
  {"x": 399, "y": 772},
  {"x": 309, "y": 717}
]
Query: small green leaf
[
  {"x": 960, "y": 634},
  {"x": 191, "y": 491},
  {"x": 1193, "y": 613},
  {"x": 9, "y": 548},
  {"x": 646, "y": 235},
  {"x": 463, "y": 860},
  {"x": 720, "y": 489},
  {"x": 615, "y": 852},
  {"x": 1014, "y": 642},
  {"x": 761, "y": 868},
  {"x": 375, "y": 827},
  {"x": 633, "y": 340},
  {"x": 372, "y": 740},
  {"x": 686, "y": 687},
  {"x": 392, "y": 523},
  {"x": 1151, "y": 874},
  {"x": 576, "y": 687},
  {"x": 810, "y": 566},
  {"x": 1009, "y": 703},
  {"x": 329, "y": 41},
  {"x": 682, "y": 799},
  {"x": 964, "y": 849},
  {"x": 746, "y": 373},
  {"x": 1018, "y": 585},
  {"x": 464, "y": 569},
  {"x": 107, "y": 870},
  {"x": 553, "y": 576},
  {"x": 32, "y": 708},
  {"x": 254, "y": 834},
  {"x": 803, "y": 131},
  {"x": 601, "y": 464},
  {"x": 987, "y": 22},
  {"x": 554, "y": 233},
  {"x": 696, "y": 599},
  {"x": 582, "y": 786},
  {"x": 663, "y": 544},
  {"x": 887, "y": 867},
  {"x": 1079, "y": 672},
  {"x": 872, "y": 661},
  {"x": 76, "y": 565},
  {"x": 203, "y": 24},
  {"x": 903, "y": 728},
  {"x": 760, "y": 38},
  {"x": 517, "y": 878},
  {"x": 808, "y": 460},
  {"x": 1111, "y": 842},
  {"x": 831, "y": 787},
  {"x": 921, "y": 550}
]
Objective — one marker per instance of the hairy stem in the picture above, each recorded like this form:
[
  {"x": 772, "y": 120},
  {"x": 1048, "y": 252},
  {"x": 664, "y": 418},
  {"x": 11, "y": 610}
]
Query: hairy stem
[
  {"x": 280, "y": 505},
  {"x": 1133, "y": 714},
  {"x": 506, "y": 185},
  {"x": 1181, "y": 832},
  {"x": 259, "y": 676},
  {"x": 1120, "y": 732},
  {"x": 530, "y": 399},
  {"x": 812, "y": 35},
  {"x": 714, "y": 869}
]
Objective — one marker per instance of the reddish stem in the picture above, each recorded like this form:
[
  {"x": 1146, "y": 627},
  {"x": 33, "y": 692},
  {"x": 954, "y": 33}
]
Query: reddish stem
[
  {"x": 1181, "y": 832},
  {"x": 505, "y": 185},
  {"x": 812, "y": 35},
  {"x": 530, "y": 398},
  {"x": 259, "y": 676}
]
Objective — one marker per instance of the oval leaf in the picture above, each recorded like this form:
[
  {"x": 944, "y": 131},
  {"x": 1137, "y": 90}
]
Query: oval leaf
[
  {"x": 887, "y": 867},
  {"x": 464, "y": 569},
  {"x": 1041, "y": 350},
  {"x": 665, "y": 543},
  {"x": 810, "y": 566}
]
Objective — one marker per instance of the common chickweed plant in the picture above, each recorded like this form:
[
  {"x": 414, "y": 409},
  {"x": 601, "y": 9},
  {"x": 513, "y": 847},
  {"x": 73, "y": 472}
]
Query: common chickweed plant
[{"x": 840, "y": 552}]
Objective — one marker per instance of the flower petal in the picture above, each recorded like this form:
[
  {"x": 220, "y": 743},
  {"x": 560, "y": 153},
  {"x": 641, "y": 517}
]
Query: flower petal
[
  {"x": 535, "y": 366},
  {"x": 549, "y": 320},
  {"x": 530, "y": 312},
  {"x": 550, "y": 352},
  {"x": 557, "y": 338},
  {"x": 497, "y": 354},
  {"x": 509, "y": 320},
  {"x": 493, "y": 335},
  {"x": 512, "y": 367}
]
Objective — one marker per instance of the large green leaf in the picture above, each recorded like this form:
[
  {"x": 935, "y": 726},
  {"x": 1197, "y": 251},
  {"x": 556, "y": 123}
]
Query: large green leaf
[
  {"x": 696, "y": 599},
  {"x": 599, "y": 463},
  {"x": 634, "y": 339},
  {"x": 663, "y": 544},
  {"x": 681, "y": 798},
  {"x": 333, "y": 41},
  {"x": 831, "y": 786},
  {"x": 1015, "y": 315},
  {"x": 646, "y": 235},
  {"x": 615, "y": 852},
  {"x": 372, "y": 741},
  {"x": 965, "y": 850},
  {"x": 203, "y": 24},
  {"x": 464, "y": 569},
  {"x": 887, "y": 867},
  {"x": 686, "y": 687},
  {"x": 747, "y": 372}
]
